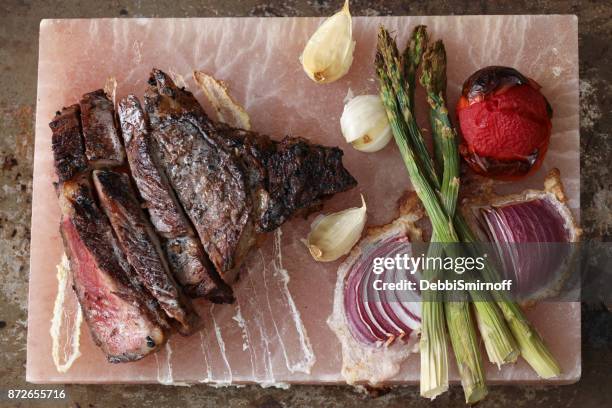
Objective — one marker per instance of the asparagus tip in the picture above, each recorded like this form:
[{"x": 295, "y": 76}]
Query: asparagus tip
[
  {"x": 433, "y": 77},
  {"x": 417, "y": 45}
]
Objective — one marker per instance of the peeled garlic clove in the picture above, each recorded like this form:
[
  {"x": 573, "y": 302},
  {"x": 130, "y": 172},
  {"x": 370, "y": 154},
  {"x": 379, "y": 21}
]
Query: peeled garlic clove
[
  {"x": 334, "y": 235},
  {"x": 370, "y": 144},
  {"x": 328, "y": 55},
  {"x": 364, "y": 123}
]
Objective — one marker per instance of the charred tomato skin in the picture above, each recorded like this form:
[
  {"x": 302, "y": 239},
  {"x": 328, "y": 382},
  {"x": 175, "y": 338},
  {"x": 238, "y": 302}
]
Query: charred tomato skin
[{"x": 505, "y": 123}]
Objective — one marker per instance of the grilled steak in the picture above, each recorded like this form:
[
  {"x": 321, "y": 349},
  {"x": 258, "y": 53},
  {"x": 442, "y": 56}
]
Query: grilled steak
[
  {"x": 208, "y": 190},
  {"x": 207, "y": 178},
  {"x": 141, "y": 246},
  {"x": 289, "y": 176},
  {"x": 188, "y": 261},
  {"x": 102, "y": 142},
  {"x": 122, "y": 318},
  {"x": 67, "y": 143},
  {"x": 234, "y": 183}
]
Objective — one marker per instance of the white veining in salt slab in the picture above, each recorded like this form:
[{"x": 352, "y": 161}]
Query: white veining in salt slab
[
  {"x": 260, "y": 350},
  {"x": 245, "y": 333},
  {"x": 163, "y": 360},
  {"x": 298, "y": 355},
  {"x": 208, "y": 377},
  {"x": 227, "y": 369},
  {"x": 276, "y": 332}
]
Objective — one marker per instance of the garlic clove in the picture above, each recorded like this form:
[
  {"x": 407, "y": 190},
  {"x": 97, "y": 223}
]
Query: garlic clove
[
  {"x": 334, "y": 235},
  {"x": 364, "y": 123},
  {"x": 376, "y": 140},
  {"x": 328, "y": 55}
]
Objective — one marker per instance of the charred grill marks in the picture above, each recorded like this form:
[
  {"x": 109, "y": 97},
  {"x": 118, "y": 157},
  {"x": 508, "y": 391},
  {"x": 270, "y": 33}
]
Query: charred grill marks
[
  {"x": 287, "y": 177},
  {"x": 67, "y": 143}
]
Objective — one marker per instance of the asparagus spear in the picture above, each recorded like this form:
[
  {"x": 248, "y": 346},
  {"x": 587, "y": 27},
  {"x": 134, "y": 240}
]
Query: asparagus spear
[
  {"x": 411, "y": 59},
  {"x": 433, "y": 344},
  {"x": 401, "y": 82},
  {"x": 458, "y": 316},
  {"x": 498, "y": 340},
  {"x": 434, "y": 366},
  {"x": 433, "y": 341},
  {"x": 433, "y": 79}
]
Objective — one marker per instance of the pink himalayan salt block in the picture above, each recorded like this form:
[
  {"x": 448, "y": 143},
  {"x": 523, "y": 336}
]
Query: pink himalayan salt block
[{"x": 276, "y": 332}]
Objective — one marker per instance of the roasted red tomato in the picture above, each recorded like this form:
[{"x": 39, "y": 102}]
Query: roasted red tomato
[{"x": 505, "y": 123}]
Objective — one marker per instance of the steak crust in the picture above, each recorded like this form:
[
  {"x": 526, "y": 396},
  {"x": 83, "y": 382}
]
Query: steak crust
[
  {"x": 287, "y": 177},
  {"x": 67, "y": 143}
]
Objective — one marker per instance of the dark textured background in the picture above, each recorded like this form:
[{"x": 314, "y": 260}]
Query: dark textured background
[{"x": 19, "y": 22}]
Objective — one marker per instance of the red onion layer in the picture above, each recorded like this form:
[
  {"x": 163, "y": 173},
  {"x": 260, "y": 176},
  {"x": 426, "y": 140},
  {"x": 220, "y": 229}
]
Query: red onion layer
[{"x": 379, "y": 317}]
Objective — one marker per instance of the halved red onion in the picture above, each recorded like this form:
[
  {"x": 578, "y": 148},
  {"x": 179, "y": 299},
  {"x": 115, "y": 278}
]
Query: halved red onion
[
  {"x": 379, "y": 318},
  {"x": 524, "y": 229}
]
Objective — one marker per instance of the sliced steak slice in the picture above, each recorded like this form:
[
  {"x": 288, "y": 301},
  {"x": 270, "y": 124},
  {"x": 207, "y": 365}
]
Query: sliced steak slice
[
  {"x": 194, "y": 272},
  {"x": 102, "y": 142},
  {"x": 123, "y": 320},
  {"x": 164, "y": 210},
  {"x": 188, "y": 262},
  {"x": 67, "y": 143},
  {"x": 142, "y": 247},
  {"x": 207, "y": 178}
]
